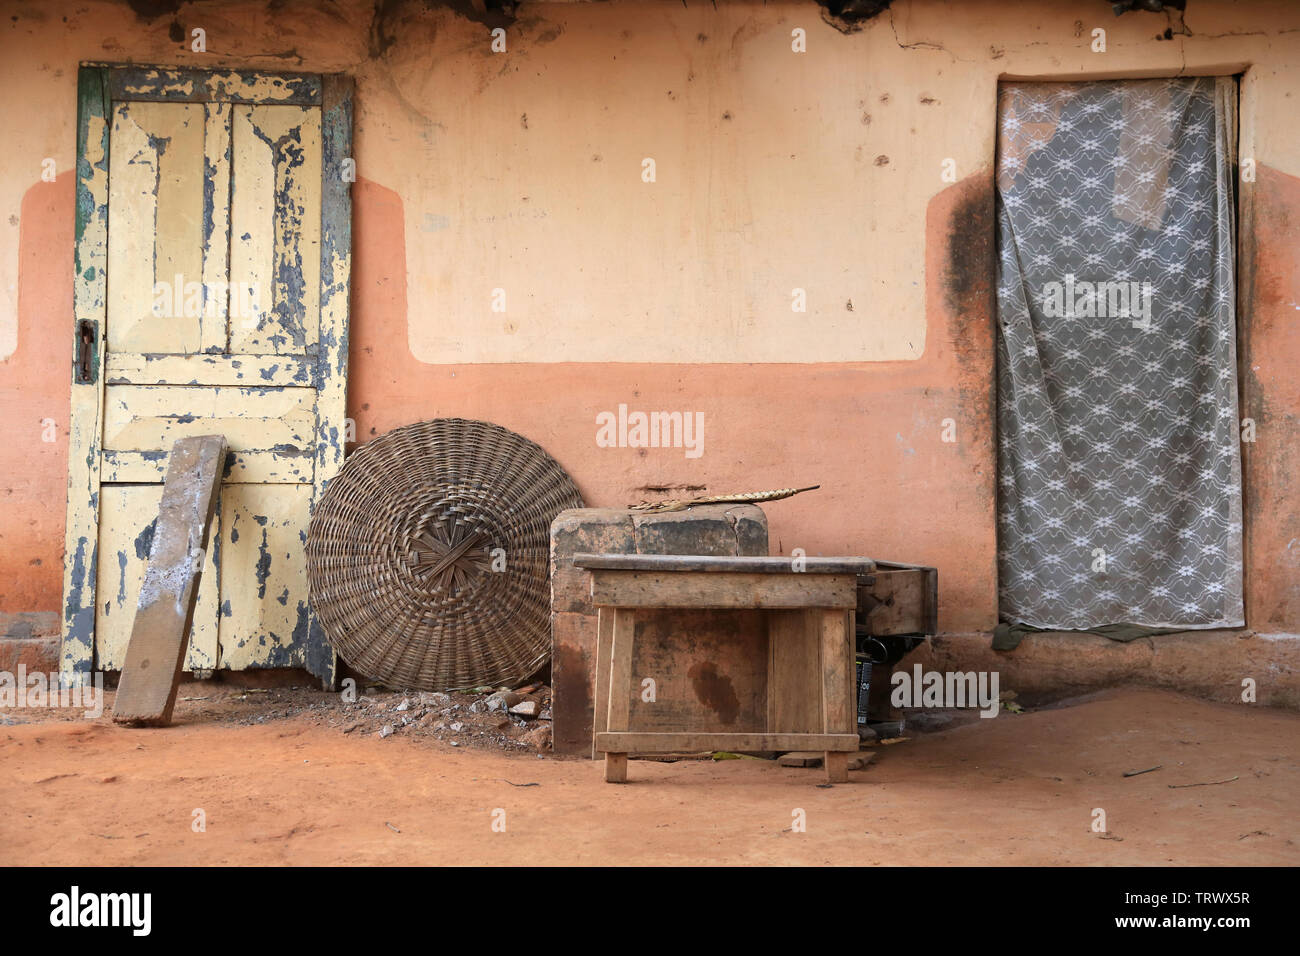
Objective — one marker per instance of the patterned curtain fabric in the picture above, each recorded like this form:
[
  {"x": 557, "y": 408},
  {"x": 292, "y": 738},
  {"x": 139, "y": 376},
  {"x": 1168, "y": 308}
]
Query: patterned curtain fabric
[{"x": 1119, "y": 497}]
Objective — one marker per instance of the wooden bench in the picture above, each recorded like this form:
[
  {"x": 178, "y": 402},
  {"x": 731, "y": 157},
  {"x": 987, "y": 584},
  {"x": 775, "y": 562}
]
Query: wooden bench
[{"x": 808, "y": 607}]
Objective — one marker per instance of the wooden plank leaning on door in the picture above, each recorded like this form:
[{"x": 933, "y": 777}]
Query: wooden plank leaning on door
[{"x": 161, "y": 631}]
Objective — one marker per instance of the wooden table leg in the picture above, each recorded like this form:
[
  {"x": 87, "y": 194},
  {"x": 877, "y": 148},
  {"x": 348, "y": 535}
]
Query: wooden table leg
[
  {"x": 600, "y": 703},
  {"x": 616, "y": 768},
  {"x": 620, "y": 688},
  {"x": 837, "y": 687},
  {"x": 837, "y": 766}
]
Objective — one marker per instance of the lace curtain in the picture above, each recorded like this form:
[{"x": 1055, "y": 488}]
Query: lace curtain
[{"x": 1119, "y": 477}]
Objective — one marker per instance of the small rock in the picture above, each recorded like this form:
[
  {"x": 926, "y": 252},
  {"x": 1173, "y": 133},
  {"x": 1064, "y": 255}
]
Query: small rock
[
  {"x": 539, "y": 738},
  {"x": 404, "y": 705},
  {"x": 386, "y": 730},
  {"x": 455, "y": 743},
  {"x": 502, "y": 700},
  {"x": 434, "y": 699},
  {"x": 526, "y": 708},
  {"x": 457, "y": 727},
  {"x": 476, "y": 707}
]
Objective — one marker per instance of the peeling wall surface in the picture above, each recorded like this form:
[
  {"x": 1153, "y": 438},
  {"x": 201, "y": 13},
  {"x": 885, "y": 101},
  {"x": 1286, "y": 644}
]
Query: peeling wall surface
[{"x": 512, "y": 263}]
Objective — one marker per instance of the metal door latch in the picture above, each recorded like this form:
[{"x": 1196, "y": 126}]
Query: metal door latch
[{"x": 87, "y": 333}]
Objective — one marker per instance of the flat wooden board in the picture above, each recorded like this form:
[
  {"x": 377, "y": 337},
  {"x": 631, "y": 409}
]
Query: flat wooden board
[
  {"x": 801, "y": 758},
  {"x": 731, "y": 589},
  {"x": 794, "y": 670},
  {"x": 612, "y": 742},
  {"x": 700, "y": 562},
  {"x": 155, "y": 655},
  {"x": 815, "y": 758}
]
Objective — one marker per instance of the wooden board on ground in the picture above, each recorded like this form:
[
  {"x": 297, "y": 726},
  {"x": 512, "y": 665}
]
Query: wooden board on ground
[
  {"x": 801, "y": 758},
  {"x": 814, "y": 758},
  {"x": 146, "y": 693}
]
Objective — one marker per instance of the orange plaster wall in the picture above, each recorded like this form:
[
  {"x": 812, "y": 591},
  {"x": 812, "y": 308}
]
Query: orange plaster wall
[
  {"x": 870, "y": 434},
  {"x": 35, "y": 385},
  {"x": 1270, "y": 389}
]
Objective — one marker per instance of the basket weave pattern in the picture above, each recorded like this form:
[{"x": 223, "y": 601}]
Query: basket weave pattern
[{"x": 402, "y": 560}]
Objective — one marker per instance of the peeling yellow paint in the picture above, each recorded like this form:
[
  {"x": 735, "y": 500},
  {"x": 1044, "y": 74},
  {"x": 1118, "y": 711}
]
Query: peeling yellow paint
[
  {"x": 262, "y": 88},
  {"x": 263, "y": 574},
  {"x": 216, "y": 243},
  {"x": 270, "y": 430},
  {"x": 93, "y": 251},
  {"x": 259, "y": 371},
  {"x": 172, "y": 82},
  {"x": 155, "y": 216},
  {"x": 275, "y": 220},
  {"x": 81, "y": 528},
  {"x": 331, "y": 402}
]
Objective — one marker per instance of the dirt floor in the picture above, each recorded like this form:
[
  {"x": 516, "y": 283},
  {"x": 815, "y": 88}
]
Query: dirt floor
[{"x": 279, "y": 781}]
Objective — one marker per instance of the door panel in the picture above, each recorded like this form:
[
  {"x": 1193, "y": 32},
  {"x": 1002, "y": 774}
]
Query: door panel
[
  {"x": 263, "y": 371},
  {"x": 263, "y": 619},
  {"x": 126, "y": 525},
  {"x": 269, "y": 430},
  {"x": 155, "y": 232},
  {"x": 216, "y": 227},
  {"x": 275, "y": 222}
]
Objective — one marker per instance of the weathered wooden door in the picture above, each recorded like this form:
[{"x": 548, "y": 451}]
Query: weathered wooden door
[{"x": 212, "y": 275}]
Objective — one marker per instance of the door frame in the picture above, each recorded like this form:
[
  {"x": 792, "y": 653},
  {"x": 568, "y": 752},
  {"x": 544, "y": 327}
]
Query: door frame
[{"x": 99, "y": 86}]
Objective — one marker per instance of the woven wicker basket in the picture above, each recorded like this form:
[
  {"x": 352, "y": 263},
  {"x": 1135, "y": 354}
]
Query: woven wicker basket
[{"x": 403, "y": 563}]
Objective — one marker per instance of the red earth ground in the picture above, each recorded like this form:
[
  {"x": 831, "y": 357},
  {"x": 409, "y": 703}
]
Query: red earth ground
[{"x": 1019, "y": 789}]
